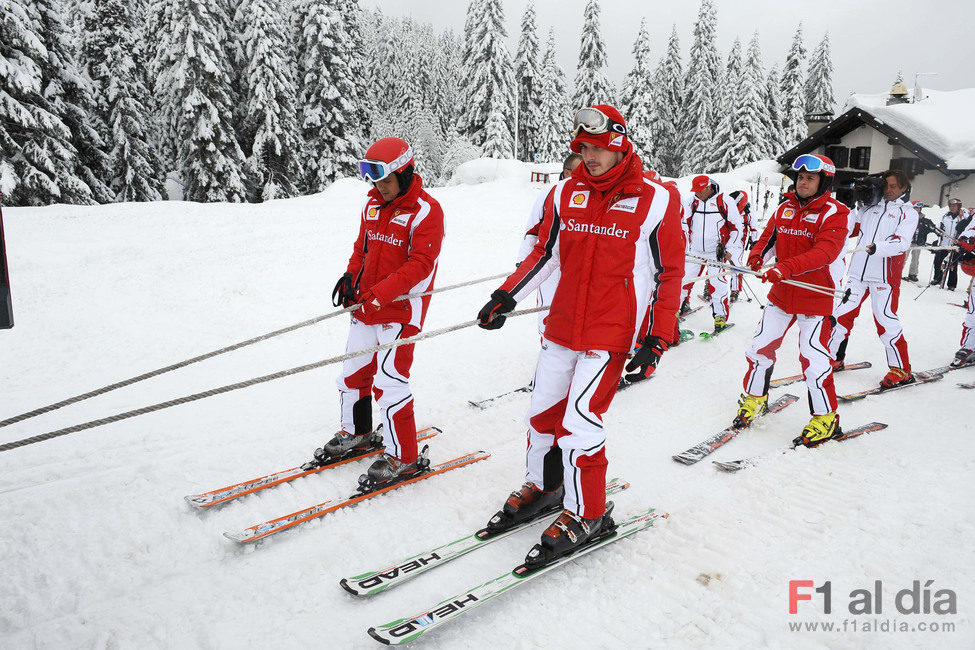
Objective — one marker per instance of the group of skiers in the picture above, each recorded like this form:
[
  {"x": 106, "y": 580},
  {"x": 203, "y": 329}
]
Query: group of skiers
[{"x": 608, "y": 249}]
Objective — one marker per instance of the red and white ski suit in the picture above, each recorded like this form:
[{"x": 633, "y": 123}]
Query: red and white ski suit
[
  {"x": 706, "y": 223},
  {"x": 806, "y": 241},
  {"x": 890, "y": 225},
  {"x": 620, "y": 252},
  {"x": 395, "y": 254},
  {"x": 547, "y": 288},
  {"x": 968, "y": 326}
]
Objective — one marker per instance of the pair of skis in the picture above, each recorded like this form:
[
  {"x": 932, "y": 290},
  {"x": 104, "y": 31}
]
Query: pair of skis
[
  {"x": 259, "y": 531},
  {"x": 410, "y": 628},
  {"x": 736, "y": 465}
]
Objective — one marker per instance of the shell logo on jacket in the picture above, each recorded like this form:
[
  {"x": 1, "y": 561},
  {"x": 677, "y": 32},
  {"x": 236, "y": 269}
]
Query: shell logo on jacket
[
  {"x": 808, "y": 242},
  {"x": 614, "y": 263},
  {"x": 396, "y": 253}
]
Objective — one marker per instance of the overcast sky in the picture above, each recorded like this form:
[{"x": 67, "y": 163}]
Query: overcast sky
[{"x": 871, "y": 39}]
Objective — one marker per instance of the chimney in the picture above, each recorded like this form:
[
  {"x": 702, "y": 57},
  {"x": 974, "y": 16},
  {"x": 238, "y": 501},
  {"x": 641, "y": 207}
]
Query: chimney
[{"x": 898, "y": 94}]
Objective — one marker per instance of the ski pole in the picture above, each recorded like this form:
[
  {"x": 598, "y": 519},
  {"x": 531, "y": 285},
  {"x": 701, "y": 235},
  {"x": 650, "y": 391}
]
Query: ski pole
[
  {"x": 845, "y": 293},
  {"x": 752, "y": 291},
  {"x": 224, "y": 350}
]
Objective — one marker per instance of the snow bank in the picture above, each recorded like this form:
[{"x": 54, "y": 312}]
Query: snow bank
[{"x": 485, "y": 170}]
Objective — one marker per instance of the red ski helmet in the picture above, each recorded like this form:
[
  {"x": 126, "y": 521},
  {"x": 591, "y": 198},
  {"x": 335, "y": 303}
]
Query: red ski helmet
[
  {"x": 602, "y": 125},
  {"x": 386, "y": 156}
]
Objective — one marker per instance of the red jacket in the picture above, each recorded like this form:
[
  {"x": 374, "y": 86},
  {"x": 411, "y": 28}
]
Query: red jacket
[
  {"x": 806, "y": 241},
  {"x": 396, "y": 253},
  {"x": 620, "y": 253}
]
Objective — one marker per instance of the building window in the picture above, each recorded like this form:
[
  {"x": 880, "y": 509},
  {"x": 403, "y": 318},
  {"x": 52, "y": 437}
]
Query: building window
[
  {"x": 860, "y": 158},
  {"x": 839, "y": 155},
  {"x": 910, "y": 166}
]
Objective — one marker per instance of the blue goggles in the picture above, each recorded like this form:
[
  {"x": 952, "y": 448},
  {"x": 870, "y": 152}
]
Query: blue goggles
[
  {"x": 374, "y": 170},
  {"x": 812, "y": 164}
]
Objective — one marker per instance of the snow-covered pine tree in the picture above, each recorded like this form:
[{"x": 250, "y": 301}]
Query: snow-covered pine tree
[
  {"x": 900, "y": 77},
  {"x": 555, "y": 119},
  {"x": 36, "y": 156},
  {"x": 326, "y": 95},
  {"x": 108, "y": 39},
  {"x": 358, "y": 125},
  {"x": 668, "y": 109},
  {"x": 637, "y": 100},
  {"x": 752, "y": 110},
  {"x": 194, "y": 85},
  {"x": 491, "y": 114},
  {"x": 448, "y": 81},
  {"x": 591, "y": 84},
  {"x": 269, "y": 131},
  {"x": 773, "y": 115},
  {"x": 819, "y": 84},
  {"x": 67, "y": 93},
  {"x": 527, "y": 73},
  {"x": 727, "y": 136},
  {"x": 793, "y": 89},
  {"x": 703, "y": 71},
  {"x": 469, "y": 55}
]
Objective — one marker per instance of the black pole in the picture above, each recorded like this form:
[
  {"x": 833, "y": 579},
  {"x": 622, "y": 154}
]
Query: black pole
[{"x": 6, "y": 306}]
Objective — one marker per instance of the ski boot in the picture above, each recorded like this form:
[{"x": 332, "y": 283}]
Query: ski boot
[
  {"x": 734, "y": 296},
  {"x": 344, "y": 442},
  {"x": 685, "y": 307},
  {"x": 720, "y": 323},
  {"x": 963, "y": 357},
  {"x": 526, "y": 504},
  {"x": 568, "y": 534},
  {"x": 896, "y": 377},
  {"x": 837, "y": 364},
  {"x": 820, "y": 429},
  {"x": 749, "y": 408},
  {"x": 389, "y": 470}
]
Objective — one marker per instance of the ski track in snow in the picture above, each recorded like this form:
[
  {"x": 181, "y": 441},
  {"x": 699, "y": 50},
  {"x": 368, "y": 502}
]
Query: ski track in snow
[{"x": 99, "y": 550}]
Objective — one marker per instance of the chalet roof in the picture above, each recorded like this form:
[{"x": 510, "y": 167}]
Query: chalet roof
[{"x": 937, "y": 129}]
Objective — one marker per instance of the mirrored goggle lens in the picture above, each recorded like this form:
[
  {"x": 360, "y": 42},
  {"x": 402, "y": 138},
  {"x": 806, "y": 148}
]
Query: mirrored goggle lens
[
  {"x": 373, "y": 171},
  {"x": 590, "y": 120},
  {"x": 810, "y": 163}
]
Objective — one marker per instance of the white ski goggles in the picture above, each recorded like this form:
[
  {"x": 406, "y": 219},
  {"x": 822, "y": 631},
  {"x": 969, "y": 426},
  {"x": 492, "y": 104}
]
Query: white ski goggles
[
  {"x": 376, "y": 170},
  {"x": 594, "y": 121}
]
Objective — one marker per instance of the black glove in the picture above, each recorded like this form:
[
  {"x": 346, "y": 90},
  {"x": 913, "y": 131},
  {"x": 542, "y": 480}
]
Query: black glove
[
  {"x": 343, "y": 295},
  {"x": 719, "y": 252},
  {"x": 492, "y": 315},
  {"x": 646, "y": 358}
]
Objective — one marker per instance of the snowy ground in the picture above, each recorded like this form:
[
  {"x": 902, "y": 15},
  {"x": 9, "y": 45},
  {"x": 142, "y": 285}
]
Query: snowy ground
[{"x": 99, "y": 550}]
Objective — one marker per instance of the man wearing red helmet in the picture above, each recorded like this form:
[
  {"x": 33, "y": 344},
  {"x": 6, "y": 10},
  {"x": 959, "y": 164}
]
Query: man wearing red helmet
[
  {"x": 616, "y": 238},
  {"x": 805, "y": 235},
  {"x": 715, "y": 230},
  {"x": 966, "y": 259},
  {"x": 400, "y": 233},
  {"x": 886, "y": 230}
]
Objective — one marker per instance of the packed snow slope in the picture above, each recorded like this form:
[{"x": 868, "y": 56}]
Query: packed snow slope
[{"x": 99, "y": 550}]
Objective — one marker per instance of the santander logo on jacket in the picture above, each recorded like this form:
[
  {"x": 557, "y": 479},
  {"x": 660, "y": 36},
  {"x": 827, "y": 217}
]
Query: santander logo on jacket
[
  {"x": 807, "y": 240},
  {"x": 396, "y": 253},
  {"x": 618, "y": 251}
]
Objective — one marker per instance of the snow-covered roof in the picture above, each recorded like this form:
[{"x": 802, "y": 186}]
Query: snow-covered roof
[{"x": 940, "y": 122}]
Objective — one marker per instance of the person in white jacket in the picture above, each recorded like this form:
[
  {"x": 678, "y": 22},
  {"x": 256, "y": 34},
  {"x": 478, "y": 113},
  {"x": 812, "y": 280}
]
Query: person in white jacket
[
  {"x": 547, "y": 289},
  {"x": 715, "y": 230},
  {"x": 885, "y": 231},
  {"x": 966, "y": 245},
  {"x": 950, "y": 225}
]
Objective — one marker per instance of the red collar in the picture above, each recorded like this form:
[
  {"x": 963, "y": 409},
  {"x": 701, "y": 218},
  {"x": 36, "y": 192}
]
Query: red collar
[
  {"x": 402, "y": 201},
  {"x": 811, "y": 206}
]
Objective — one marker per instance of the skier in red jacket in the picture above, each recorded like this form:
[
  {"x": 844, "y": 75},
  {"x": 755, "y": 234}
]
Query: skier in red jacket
[
  {"x": 396, "y": 253},
  {"x": 616, "y": 238},
  {"x": 806, "y": 235}
]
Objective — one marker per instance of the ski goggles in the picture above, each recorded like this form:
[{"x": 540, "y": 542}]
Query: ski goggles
[
  {"x": 377, "y": 170},
  {"x": 594, "y": 121},
  {"x": 812, "y": 164}
]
